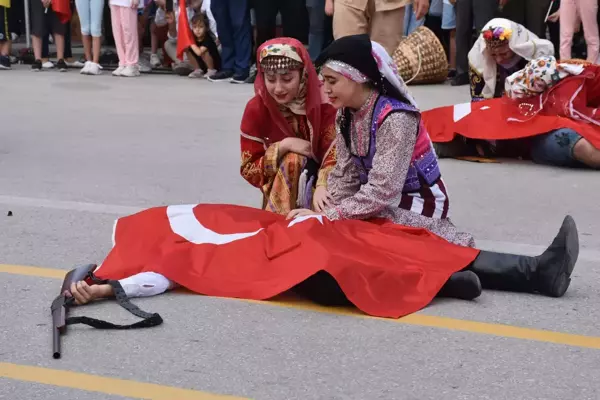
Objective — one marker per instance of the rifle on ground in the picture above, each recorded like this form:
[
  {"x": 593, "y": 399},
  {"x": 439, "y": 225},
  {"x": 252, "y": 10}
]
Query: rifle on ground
[{"x": 61, "y": 304}]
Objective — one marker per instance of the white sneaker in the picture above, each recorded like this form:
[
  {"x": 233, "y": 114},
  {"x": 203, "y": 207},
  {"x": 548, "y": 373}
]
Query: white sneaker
[
  {"x": 155, "y": 61},
  {"x": 131, "y": 71},
  {"x": 210, "y": 73},
  {"x": 48, "y": 65},
  {"x": 118, "y": 71},
  {"x": 94, "y": 69},
  {"x": 85, "y": 69},
  {"x": 196, "y": 74}
]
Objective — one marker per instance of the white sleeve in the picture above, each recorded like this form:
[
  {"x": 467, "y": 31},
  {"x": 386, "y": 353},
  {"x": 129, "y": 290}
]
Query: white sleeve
[
  {"x": 211, "y": 19},
  {"x": 146, "y": 284}
]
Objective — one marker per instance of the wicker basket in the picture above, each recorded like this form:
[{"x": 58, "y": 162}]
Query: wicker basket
[{"x": 421, "y": 58}]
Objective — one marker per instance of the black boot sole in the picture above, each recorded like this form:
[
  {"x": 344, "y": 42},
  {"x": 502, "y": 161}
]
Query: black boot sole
[{"x": 569, "y": 237}]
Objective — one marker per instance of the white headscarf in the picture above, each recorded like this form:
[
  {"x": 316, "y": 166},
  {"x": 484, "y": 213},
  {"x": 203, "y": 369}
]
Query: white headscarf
[{"x": 522, "y": 42}]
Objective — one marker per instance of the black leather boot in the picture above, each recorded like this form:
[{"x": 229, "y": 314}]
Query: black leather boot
[
  {"x": 548, "y": 273},
  {"x": 464, "y": 285}
]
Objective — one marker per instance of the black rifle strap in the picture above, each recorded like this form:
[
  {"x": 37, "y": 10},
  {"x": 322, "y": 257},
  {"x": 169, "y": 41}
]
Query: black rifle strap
[{"x": 149, "y": 320}]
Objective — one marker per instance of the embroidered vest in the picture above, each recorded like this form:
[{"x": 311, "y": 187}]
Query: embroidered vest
[{"x": 423, "y": 167}]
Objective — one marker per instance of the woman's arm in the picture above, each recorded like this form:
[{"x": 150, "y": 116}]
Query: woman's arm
[
  {"x": 258, "y": 165},
  {"x": 395, "y": 142}
]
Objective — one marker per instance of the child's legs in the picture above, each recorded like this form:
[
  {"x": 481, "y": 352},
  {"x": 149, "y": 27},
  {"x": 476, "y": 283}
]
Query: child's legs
[
  {"x": 195, "y": 61},
  {"x": 208, "y": 61},
  {"x": 129, "y": 21},
  {"x": 568, "y": 19},
  {"x": 588, "y": 10},
  {"x": 115, "y": 17},
  {"x": 96, "y": 15},
  {"x": 83, "y": 10}
]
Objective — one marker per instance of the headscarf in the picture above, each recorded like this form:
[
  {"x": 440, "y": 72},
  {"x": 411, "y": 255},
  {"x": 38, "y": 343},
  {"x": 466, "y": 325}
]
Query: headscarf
[
  {"x": 361, "y": 60},
  {"x": 282, "y": 53},
  {"x": 521, "y": 41}
]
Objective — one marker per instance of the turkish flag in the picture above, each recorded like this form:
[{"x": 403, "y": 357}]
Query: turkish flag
[
  {"x": 502, "y": 118},
  {"x": 185, "y": 37},
  {"x": 62, "y": 8},
  {"x": 386, "y": 270}
]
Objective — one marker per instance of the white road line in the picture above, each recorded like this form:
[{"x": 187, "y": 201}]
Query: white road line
[{"x": 97, "y": 208}]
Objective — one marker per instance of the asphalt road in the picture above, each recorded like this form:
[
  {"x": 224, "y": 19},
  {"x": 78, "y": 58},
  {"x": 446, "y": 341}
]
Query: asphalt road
[{"x": 76, "y": 152}]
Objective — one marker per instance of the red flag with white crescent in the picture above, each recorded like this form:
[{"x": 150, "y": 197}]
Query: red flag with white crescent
[
  {"x": 185, "y": 36},
  {"x": 503, "y": 119},
  {"x": 384, "y": 269},
  {"x": 62, "y": 8}
]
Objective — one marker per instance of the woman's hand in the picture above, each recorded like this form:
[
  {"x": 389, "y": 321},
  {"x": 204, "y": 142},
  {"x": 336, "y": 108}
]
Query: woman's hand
[
  {"x": 554, "y": 17},
  {"x": 84, "y": 293},
  {"x": 301, "y": 212},
  {"x": 321, "y": 199},
  {"x": 295, "y": 145},
  {"x": 135, "y": 3},
  {"x": 421, "y": 8}
]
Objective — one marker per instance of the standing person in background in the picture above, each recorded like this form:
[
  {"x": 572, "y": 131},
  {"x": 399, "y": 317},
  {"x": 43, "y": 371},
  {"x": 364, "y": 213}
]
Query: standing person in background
[
  {"x": 5, "y": 41},
  {"x": 124, "y": 15},
  {"x": 529, "y": 13},
  {"x": 469, "y": 12},
  {"x": 449, "y": 24},
  {"x": 569, "y": 20},
  {"x": 43, "y": 20},
  {"x": 294, "y": 19},
  {"x": 382, "y": 20},
  {"x": 317, "y": 21},
  {"x": 235, "y": 31},
  {"x": 90, "y": 19}
]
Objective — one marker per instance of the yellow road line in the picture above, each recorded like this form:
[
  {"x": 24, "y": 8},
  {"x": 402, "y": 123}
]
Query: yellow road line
[
  {"x": 539, "y": 335},
  {"x": 94, "y": 383}
]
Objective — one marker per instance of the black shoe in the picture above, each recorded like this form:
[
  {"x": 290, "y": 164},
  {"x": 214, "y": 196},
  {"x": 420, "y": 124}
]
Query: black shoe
[
  {"x": 460, "y": 79},
  {"x": 36, "y": 66},
  {"x": 464, "y": 285},
  {"x": 548, "y": 274},
  {"x": 5, "y": 62},
  {"x": 451, "y": 73},
  {"x": 221, "y": 76},
  {"x": 62, "y": 65},
  {"x": 240, "y": 78}
]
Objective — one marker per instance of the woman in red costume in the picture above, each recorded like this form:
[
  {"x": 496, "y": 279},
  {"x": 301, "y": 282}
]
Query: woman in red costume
[{"x": 288, "y": 130}]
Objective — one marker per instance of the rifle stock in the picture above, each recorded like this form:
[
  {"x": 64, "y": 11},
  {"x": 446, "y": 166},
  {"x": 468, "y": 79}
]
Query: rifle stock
[{"x": 61, "y": 304}]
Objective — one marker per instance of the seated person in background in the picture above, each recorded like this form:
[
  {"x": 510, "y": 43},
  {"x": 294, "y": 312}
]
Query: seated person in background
[
  {"x": 204, "y": 55},
  {"x": 505, "y": 48}
]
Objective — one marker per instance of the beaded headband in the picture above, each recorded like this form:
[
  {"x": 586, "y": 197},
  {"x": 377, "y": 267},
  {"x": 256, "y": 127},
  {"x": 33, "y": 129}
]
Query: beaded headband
[
  {"x": 496, "y": 37},
  {"x": 347, "y": 71},
  {"x": 279, "y": 64}
]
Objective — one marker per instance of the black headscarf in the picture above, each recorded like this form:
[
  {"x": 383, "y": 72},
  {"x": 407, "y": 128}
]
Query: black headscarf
[{"x": 356, "y": 51}]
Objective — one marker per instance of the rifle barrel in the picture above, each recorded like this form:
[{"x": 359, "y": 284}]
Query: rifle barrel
[{"x": 55, "y": 342}]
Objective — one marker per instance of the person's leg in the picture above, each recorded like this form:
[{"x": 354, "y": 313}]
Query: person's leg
[
  {"x": 316, "y": 28},
  {"x": 483, "y": 12},
  {"x": 294, "y": 18},
  {"x": 265, "y": 13},
  {"x": 349, "y": 21},
  {"x": 586, "y": 153},
  {"x": 115, "y": 16},
  {"x": 464, "y": 31},
  {"x": 386, "y": 29},
  {"x": 220, "y": 11},
  {"x": 568, "y": 19},
  {"x": 588, "y": 10},
  {"x": 38, "y": 31},
  {"x": 535, "y": 15},
  {"x": 564, "y": 148},
  {"x": 4, "y": 39},
  {"x": 96, "y": 14},
  {"x": 239, "y": 15},
  {"x": 84, "y": 12},
  {"x": 548, "y": 274},
  {"x": 129, "y": 20}
]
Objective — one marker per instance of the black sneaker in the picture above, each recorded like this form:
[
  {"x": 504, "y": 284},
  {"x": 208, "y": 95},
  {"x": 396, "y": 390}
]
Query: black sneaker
[
  {"x": 62, "y": 65},
  {"x": 221, "y": 76},
  {"x": 36, "y": 66},
  {"x": 4, "y": 62},
  {"x": 460, "y": 79},
  {"x": 240, "y": 78}
]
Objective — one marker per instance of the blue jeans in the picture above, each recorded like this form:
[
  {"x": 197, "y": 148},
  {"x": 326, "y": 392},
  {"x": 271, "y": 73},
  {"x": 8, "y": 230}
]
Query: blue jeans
[
  {"x": 234, "y": 30},
  {"x": 411, "y": 23},
  {"x": 90, "y": 16},
  {"x": 556, "y": 148},
  {"x": 316, "y": 33}
]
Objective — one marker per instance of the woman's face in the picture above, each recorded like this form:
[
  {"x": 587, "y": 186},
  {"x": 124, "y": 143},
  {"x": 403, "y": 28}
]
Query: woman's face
[
  {"x": 502, "y": 55},
  {"x": 341, "y": 91},
  {"x": 283, "y": 87}
]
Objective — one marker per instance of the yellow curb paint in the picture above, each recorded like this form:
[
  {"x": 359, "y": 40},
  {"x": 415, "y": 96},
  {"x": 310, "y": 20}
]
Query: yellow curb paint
[
  {"x": 539, "y": 335},
  {"x": 101, "y": 384}
]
